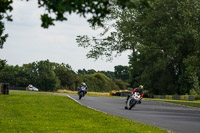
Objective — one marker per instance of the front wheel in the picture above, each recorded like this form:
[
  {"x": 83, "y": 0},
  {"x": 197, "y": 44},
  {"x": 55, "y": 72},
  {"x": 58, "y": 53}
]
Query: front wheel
[
  {"x": 131, "y": 103},
  {"x": 80, "y": 95}
]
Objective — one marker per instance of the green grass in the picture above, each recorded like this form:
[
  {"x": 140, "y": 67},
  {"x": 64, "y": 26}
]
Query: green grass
[
  {"x": 37, "y": 113},
  {"x": 187, "y": 103},
  {"x": 195, "y": 103},
  {"x": 104, "y": 94}
]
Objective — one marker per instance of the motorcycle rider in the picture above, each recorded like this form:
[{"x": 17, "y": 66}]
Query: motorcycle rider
[
  {"x": 138, "y": 89},
  {"x": 83, "y": 84}
]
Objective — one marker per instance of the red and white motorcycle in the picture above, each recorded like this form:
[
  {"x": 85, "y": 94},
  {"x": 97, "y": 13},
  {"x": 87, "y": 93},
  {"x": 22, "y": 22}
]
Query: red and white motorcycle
[{"x": 133, "y": 100}]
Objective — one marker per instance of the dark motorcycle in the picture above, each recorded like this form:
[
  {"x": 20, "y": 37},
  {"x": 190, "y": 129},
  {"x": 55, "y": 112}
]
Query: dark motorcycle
[{"x": 82, "y": 92}]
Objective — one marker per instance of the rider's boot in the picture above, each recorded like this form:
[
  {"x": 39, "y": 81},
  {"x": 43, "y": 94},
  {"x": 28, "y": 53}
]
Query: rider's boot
[{"x": 140, "y": 101}]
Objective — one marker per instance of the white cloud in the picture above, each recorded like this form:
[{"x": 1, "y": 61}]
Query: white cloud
[{"x": 28, "y": 42}]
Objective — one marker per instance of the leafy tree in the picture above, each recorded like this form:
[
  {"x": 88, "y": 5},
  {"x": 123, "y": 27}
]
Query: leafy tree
[
  {"x": 5, "y": 8},
  {"x": 2, "y": 64},
  {"x": 121, "y": 84},
  {"x": 168, "y": 35},
  {"x": 66, "y": 75},
  {"x": 8, "y": 73},
  {"x": 83, "y": 72},
  {"x": 45, "y": 75},
  {"x": 47, "y": 79},
  {"x": 91, "y": 71},
  {"x": 102, "y": 80},
  {"x": 98, "y": 82},
  {"x": 13, "y": 75},
  {"x": 192, "y": 73},
  {"x": 109, "y": 74},
  {"x": 162, "y": 36},
  {"x": 49, "y": 76},
  {"x": 56, "y": 11},
  {"x": 122, "y": 72},
  {"x": 98, "y": 9},
  {"x": 40, "y": 74},
  {"x": 30, "y": 72}
]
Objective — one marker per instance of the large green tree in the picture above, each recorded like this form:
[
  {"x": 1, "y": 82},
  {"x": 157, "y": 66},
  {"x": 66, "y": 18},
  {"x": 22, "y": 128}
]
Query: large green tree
[
  {"x": 122, "y": 72},
  {"x": 46, "y": 76},
  {"x": 164, "y": 39},
  {"x": 66, "y": 75},
  {"x": 168, "y": 35}
]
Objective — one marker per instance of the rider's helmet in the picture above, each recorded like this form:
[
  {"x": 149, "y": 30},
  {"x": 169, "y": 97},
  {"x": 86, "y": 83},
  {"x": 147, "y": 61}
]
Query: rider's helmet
[
  {"x": 141, "y": 87},
  {"x": 83, "y": 84}
]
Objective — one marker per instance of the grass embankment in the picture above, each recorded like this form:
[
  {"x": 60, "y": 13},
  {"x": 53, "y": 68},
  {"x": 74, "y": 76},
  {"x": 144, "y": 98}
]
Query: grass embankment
[
  {"x": 195, "y": 103},
  {"x": 36, "y": 112},
  {"x": 88, "y": 94}
]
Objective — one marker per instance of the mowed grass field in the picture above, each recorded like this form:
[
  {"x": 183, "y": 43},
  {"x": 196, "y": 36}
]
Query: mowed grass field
[{"x": 37, "y": 113}]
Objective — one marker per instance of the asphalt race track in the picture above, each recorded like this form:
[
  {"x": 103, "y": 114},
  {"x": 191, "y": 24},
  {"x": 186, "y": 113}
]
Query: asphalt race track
[{"x": 175, "y": 118}]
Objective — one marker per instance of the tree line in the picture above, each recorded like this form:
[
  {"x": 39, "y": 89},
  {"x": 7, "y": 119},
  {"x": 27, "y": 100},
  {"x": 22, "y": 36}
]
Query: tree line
[{"x": 50, "y": 76}]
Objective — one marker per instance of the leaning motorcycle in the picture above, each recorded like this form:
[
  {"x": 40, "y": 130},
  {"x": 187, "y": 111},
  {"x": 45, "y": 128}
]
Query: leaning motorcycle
[
  {"x": 132, "y": 101},
  {"x": 82, "y": 92}
]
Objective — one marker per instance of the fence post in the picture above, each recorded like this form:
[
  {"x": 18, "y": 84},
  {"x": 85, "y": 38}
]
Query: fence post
[{"x": 4, "y": 88}]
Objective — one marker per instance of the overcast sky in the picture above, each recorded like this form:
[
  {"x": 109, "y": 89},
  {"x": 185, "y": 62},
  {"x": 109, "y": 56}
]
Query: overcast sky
[{"x": 28, "y": 42}]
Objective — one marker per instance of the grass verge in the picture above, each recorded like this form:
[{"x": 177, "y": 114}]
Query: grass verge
[
  {"x": 182, "y": 102},
  {"x": 37, "y": 112},
  {"x": 88, "y": 94}
]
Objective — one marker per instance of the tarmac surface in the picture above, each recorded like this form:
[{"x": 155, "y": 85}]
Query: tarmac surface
[{"x": 172, "y": 117}]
